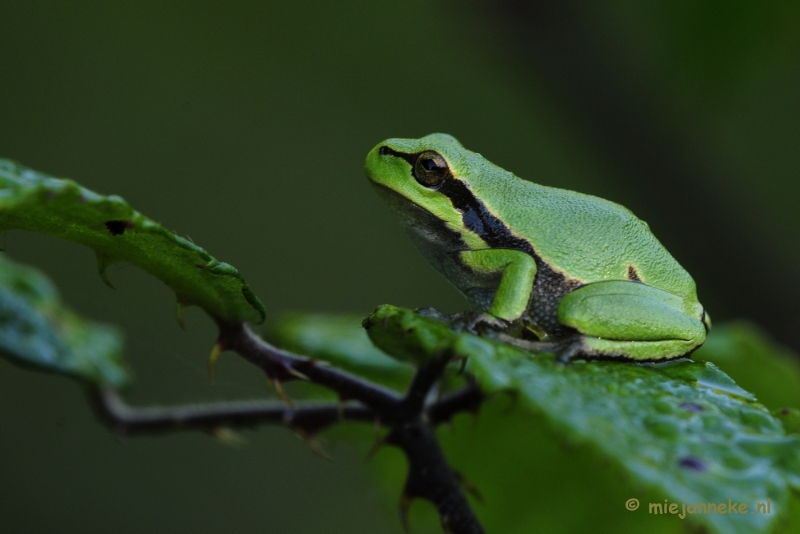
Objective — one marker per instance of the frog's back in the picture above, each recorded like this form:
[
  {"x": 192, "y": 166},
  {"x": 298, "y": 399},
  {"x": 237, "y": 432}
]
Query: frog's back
[{"x": 587, "y": 238}]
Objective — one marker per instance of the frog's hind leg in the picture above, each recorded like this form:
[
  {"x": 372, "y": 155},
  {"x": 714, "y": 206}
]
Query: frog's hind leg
[{"x": 622, "y": 319}]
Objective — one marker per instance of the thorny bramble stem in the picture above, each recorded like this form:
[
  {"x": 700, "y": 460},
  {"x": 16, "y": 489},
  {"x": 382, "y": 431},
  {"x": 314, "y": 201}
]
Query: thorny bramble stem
[
  {"x": 430, "y": 477},
  {"x": 279, "y": 364},
  {"x": 410, "y": 418},
  {"x": 311, "y": 418},
  {"x": 467, "y": 399},
  {"x": 424, "y": 379}
]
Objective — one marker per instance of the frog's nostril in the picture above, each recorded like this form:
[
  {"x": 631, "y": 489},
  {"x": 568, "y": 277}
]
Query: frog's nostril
[{"x": 384, "y": 150}]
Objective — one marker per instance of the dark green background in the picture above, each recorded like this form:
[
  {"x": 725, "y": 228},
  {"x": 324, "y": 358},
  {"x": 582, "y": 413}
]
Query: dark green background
[{"x": 244, "y": 125}]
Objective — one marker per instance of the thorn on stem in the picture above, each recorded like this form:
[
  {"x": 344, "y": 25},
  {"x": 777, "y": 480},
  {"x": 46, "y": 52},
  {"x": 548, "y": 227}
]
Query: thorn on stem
[
  {"x": 276, "y": 384},
  {"x": 312, "y": 442},
  {"x": 106, "y": 281},
  {"x": 380, "y": 442},
  {"x": 405, "y": 504},
  {"x": 103, "y": 261},
  {"x": 294, "y": 372},
  {"x": 469, "y": 487},
  {"x": 317, "y": 449},
  {"x": 227, "y": 436},
  {"x": 212, "y": 359},
  {"x": 179, "y": 315},
  {"x": 181, "y": 304}
]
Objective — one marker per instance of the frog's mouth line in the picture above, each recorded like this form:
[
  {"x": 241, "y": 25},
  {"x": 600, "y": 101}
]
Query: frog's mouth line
[
  {"x": 402, "y": 205},
  {"x": 419, "y": 222}
]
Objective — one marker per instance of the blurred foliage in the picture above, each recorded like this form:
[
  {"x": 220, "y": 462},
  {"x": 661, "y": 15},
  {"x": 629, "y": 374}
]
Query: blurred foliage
[
  {"x": 756, "y": 362},
  {"x": 36, "y": 330}
]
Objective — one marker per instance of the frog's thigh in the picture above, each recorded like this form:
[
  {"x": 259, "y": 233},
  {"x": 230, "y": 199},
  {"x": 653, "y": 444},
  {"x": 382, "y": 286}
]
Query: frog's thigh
[
  {"x": 516, "y": 284},
  {"x": 631, "y": 319}
]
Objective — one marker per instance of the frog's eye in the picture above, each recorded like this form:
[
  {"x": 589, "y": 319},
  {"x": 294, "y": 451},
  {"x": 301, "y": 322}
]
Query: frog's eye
[{"x": 430, "y": 169}]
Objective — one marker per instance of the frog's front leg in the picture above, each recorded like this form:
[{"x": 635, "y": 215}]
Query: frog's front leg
[
  {"x": 517, "y": 270},
  {"x": 631, "y": 320}
]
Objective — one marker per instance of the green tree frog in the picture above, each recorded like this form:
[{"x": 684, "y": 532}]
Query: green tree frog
[{"x": 572, "y": 269}]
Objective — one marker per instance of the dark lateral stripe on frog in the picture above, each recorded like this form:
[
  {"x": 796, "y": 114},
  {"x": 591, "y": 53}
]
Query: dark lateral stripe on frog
[
  {"x": 475, "y": 214},
  {"x": 479, "y": 219},
  {"x": 549, "y": 287},
  {"x": 410, "y": 158}
]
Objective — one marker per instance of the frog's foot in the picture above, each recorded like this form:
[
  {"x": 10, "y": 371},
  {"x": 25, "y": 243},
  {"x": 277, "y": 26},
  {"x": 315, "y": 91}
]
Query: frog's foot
[
  {"x": 479, "y": 323},
  {"x": 566, "y": 349},
  {"x": 469, "y": 321},
  {"x": 571, "y": 349}
]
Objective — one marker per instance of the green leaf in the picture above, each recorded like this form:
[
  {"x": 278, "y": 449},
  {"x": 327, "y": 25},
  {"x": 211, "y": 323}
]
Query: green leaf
[
  {"x": 339, "y": 340},
  {"x": 683, "y": 429},
  {"x": 36, "y": 330},
  {"x": 757, "y": 363},
  {"x": 32, "y": 201},
  {"x": 402, "y": 340}
]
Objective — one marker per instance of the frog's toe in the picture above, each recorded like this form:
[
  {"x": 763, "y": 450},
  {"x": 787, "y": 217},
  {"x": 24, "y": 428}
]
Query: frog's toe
[
  {"x": 569, "y": 351},
  {"x": 478, "y": 322},
  {"x": 482, "y": 322}
]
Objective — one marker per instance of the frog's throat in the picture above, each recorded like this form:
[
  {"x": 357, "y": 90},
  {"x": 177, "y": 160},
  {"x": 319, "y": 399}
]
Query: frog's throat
[
  {"x": 426, "y": 230},
  {"x": 438, "y": 241}
]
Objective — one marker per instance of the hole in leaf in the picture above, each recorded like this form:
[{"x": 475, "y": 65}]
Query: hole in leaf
[{"x": 117, "y": 227}]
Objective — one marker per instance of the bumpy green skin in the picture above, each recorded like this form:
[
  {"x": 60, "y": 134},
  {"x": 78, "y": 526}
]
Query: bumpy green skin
[{"x": 567, "y": 265}]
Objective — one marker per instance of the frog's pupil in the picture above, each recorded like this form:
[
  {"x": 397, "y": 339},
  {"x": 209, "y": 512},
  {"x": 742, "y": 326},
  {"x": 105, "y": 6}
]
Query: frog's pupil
[
  {"x": 430, "y": 169},
  {"x": 429, "y": 164}
]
